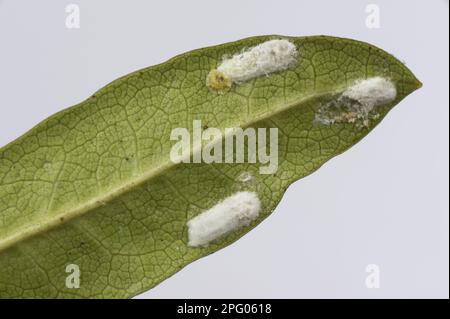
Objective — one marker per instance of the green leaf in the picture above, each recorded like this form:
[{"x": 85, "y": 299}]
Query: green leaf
[{"x": 93, "y": 185}]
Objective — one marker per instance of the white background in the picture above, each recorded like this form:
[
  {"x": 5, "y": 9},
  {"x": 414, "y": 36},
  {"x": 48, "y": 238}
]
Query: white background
[{"x": 384, "y": 202}]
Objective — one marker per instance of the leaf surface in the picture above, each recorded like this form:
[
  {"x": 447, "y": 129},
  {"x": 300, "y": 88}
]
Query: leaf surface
[{"x": 94, "y": 186}]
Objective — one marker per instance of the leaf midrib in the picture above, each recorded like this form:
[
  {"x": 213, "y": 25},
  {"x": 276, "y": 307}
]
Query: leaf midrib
[
  {"x": 96, "y": 202},
  {"x": 64, "y": 217}
]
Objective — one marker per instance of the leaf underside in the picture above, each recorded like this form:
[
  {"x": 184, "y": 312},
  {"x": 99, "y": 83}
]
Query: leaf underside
[{"x": 93, "y": 185}]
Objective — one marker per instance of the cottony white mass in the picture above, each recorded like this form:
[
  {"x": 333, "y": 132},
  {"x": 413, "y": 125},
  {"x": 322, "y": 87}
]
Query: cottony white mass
[
  {"x": 372, "y": 92},
  {"x": 262, "y": 59},
  {"x": 231, "y": 214}
]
